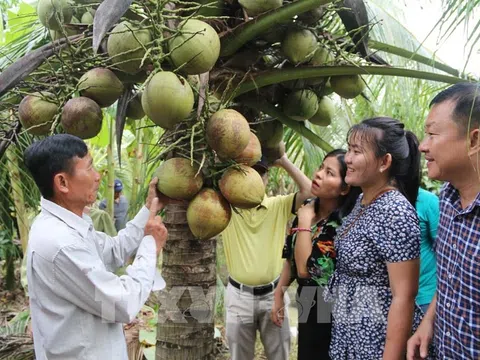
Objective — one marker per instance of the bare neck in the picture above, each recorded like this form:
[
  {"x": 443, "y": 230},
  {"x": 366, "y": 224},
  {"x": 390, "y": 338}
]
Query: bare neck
[
  {"x": 327, "y": 206},
  {"x": 468, "y": 186},
  {"x": 371, "y": 192}
]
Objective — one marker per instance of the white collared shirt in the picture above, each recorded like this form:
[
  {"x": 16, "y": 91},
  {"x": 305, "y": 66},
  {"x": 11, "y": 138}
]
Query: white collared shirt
[{"x": 77, "y": 303}]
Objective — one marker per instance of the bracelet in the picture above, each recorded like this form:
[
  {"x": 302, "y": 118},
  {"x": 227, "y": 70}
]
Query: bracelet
[{"x": 294, "y": 230}]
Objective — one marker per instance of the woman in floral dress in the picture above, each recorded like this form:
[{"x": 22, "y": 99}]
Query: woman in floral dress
[
  {"x": 377, "y": 246},
  {"x": 311, "y": 255}
]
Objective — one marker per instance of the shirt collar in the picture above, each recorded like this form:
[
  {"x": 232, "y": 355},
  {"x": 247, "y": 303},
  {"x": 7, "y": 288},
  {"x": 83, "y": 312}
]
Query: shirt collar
[
  {"x": 453, "y": 197},
  {"x": 81, "y": 224}
]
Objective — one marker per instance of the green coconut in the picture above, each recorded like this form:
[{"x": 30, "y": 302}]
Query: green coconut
[
  {"x": 167, "y": 99},
  {"x": 196, "y": 47},
  {"x": 36, "y": 113},
  {"x": 311, "y": 17},
  {"x": 208, "y": 214},
  {"x": 322, "y": 57},
  {"x": 178, "y": 179},
  {"x": 325, "y": 112},
  {"x": 269, "y": 133},
  {"x": 252, "y": 153},
  {"x": 126, "y": 37},
  {"x": 228, "y": 133},
  {"x": 324, "y": 88},
  {"x": 101, "y": 85},
  {"x": 134, "y": 107},
  {"x": 82, "y": 117},
  {"x": 347, "y": 86},
  {"x": 243, "y": 187},
  {"x": 299, "y": 45},
  {"x": 87, "y": 17},
  {"x": 301, "y": 105},
  {"x": 256, "y": 7},
  {"x": 274, "y": 153},
  {"x": 49, "y": 11}
]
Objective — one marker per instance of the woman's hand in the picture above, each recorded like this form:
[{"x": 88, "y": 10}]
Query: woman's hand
[
  {"x": 306, "y": 214},
  {"x": 278, "y": 309}
]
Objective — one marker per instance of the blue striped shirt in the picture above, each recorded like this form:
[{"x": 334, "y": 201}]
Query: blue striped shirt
[{"x": 458, "y": 277}]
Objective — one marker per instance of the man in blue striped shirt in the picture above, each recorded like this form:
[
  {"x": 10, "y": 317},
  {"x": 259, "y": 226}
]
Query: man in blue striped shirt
[{"x": 452, "y": 151}]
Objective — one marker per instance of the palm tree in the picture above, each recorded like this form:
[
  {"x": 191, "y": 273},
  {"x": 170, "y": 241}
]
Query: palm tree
[{"x": 248, "y": 69}]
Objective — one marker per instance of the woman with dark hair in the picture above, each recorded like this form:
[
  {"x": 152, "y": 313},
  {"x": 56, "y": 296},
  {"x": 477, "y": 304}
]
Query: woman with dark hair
[
  {"x": 310, "y": 253},
  {"x": 378, "y": 245}
]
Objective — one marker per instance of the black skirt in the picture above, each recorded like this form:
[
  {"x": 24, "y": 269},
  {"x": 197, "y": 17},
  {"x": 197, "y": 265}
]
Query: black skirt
[{"x": 314, "y": 331}]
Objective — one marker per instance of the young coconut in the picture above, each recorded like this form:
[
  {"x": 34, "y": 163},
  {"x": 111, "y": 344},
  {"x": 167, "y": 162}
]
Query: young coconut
[
  {"x": 53, "y": 13},
  {"x": 273, "y": 153},
  {"x": 208, "y": 214},
  {"x": 196, "y": 47},
  {"x": 347, "y": 86},
  {"x": 301, "y": 105},
  {"x": 101, "y": 85},
  {"x": 299, "y": 45},
  {"x": 269, "y": 133},
  {"x": 252, "y": 153},
  {"x": 243, "y": 187},
  {"x": 167, "y": 99},
  {"x": 228, "y": 133},
  {"x": 325, "y": 112},
  {"x": 256, "y": 7},
  {"x": 82, "y": 117},
  {"x": 36, "y": 113},
  {"x": 178, "y": 179},
  {"x": 57, "y": 34},
  {"x": 126, "y": 46},
  {"x": 134, "y": 107}
]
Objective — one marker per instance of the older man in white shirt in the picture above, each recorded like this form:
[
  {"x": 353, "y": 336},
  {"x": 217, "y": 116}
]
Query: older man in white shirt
[{"x": 77, "y": 303}]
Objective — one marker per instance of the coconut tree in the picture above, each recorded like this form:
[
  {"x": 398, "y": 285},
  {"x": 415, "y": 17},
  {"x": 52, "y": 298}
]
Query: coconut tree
[{"x": 271, "y": 70}]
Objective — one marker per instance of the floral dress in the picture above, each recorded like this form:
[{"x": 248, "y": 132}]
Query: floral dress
[
  {"x": 314, "y": 316},
  {"x": 386, "y": 231}
]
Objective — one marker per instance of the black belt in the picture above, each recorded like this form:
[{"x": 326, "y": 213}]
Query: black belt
[{"x": 255, "y": 290}]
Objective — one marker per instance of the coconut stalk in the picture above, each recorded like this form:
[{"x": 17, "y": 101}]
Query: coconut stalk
[
  {"x": 13, "y": 163},
  {"x": 110, "y": 167},
  {"x": 281, "y": 75},
  {"x": 377, "y": 45}
]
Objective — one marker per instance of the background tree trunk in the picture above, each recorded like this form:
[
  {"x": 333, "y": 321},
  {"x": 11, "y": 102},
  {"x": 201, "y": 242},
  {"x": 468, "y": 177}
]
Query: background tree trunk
[{"x": 185, "y": 329}]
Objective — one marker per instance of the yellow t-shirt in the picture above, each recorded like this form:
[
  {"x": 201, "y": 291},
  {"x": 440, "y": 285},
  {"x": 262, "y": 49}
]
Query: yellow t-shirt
[{"x": 253, "y": 241}]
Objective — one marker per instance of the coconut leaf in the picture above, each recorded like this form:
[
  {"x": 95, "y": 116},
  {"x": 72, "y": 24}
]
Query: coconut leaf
[
  {"x": 21, "y": 68},
  {"x": 121, "y": 118},
  {"x": 235, "y": 39},
  {"x": 108, "y": 13}
]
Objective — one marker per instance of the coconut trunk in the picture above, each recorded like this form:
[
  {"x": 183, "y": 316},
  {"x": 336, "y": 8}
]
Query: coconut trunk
[{"x": 186, "y": 327}]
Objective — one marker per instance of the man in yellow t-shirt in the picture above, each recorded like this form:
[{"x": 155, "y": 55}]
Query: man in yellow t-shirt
[{"x": 253, "y": 243}]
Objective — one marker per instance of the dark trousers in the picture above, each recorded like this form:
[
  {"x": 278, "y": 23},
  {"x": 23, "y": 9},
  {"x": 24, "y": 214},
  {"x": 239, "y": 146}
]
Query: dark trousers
[{"x": 314, "y": 334}]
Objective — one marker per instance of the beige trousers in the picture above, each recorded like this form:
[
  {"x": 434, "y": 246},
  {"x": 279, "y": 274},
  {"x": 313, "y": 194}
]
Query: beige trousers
[{"x": 245, "y": 314}]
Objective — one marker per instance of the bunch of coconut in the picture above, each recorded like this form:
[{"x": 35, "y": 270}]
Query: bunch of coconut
[
  {"x": 208, "y": 212},
  {"x": 257, "y": 7}
]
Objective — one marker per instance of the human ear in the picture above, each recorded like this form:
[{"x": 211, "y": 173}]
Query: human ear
[{"x": 60, "y": 183}]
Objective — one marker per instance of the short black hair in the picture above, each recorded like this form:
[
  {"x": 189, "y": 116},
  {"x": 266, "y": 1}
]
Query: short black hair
[
  {"x": 50, "y": 156},
  {"x": 466, "y": 97}
]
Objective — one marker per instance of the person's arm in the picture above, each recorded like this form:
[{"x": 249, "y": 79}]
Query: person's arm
[
  {"x": 303, "y": 182},
  {"x": 278, "y": 312},
  {"x": 417, "y": 346},
  {"x": 81, "y": 278},
  {"x": 303, "y": 242},
  {"x": 403, "y": 278},
  {"x": 116, "y": 250}
]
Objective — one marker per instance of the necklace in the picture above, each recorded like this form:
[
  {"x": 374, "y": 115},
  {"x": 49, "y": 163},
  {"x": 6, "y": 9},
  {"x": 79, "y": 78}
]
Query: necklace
[{"x": 362, "y": 211}]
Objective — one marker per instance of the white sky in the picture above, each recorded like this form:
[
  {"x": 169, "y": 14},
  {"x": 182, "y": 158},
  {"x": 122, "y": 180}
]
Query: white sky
[{"x": 422, "y": 15}]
